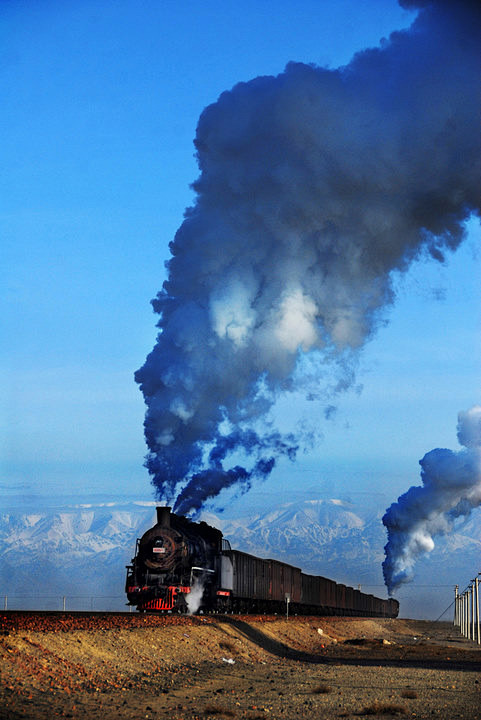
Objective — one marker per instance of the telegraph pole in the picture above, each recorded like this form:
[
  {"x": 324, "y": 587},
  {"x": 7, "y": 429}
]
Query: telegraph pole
[
  {"x": 477, "y": 608},
  {"x": 461, "y": 608},
  {"x": 470, "y": 613},
  {"x": 466, "y": 618},
  {"x": 475, "y": 614}
]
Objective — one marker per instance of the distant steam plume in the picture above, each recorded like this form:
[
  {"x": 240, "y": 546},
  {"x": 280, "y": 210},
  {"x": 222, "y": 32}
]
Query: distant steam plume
[
  {"x": 314, "y": 187},
  {"x": 451, "y": 488}
]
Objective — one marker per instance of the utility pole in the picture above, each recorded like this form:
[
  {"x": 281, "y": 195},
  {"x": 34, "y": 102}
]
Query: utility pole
[
  {"x": 470, "y": 613},
  {"x": 473, "y": 610},
  {"x": 461, "y": 613},
  {"x": 476, "y": 582},
  {"x": 466, "y": 613}
]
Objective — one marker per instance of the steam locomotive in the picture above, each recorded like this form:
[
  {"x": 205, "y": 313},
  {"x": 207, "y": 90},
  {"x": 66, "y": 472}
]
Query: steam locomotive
[{"x": 184, "y": 566}]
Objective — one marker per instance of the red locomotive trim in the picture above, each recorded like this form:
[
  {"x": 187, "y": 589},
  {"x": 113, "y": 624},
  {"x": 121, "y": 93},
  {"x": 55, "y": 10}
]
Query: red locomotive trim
[
  {"x": 225, "y": 593},
  {"x": 168, "y": 603}
]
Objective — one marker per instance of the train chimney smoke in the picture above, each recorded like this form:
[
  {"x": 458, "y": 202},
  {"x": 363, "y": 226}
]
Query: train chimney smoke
[
  {"x": 315, "y": 186},
  {"x": 451, "y": 488}
]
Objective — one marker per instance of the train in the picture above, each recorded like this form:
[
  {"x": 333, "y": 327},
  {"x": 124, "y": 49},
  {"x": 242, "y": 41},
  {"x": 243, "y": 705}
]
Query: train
[{"x": 182, "y": 566}]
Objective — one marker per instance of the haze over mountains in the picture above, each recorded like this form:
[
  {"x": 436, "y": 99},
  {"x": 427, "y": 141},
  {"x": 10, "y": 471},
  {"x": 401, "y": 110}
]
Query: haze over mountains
[{"x": 79, "y": 550}]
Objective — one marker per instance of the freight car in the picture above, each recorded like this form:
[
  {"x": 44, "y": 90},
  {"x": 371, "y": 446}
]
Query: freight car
[{"x": 184, "y": 566}]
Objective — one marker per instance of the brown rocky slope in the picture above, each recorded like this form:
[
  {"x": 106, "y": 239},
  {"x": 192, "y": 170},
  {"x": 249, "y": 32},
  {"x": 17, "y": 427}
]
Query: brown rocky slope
[{"x": 135, "y": 666}]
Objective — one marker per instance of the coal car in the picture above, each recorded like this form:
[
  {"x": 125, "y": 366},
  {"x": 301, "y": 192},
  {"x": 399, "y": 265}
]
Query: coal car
[{"x": 185, "y": 566}]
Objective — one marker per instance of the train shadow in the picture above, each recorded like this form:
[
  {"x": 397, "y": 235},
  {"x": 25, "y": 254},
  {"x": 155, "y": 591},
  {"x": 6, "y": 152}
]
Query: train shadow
[{"x": 284, "y": 651}]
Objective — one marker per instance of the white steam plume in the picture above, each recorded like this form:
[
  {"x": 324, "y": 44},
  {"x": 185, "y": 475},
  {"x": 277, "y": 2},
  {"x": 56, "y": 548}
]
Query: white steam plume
[
  {"x": 314, "y": 187},
  {"x": 194, "y": 598},
  {"x": 451, "y": 488}
]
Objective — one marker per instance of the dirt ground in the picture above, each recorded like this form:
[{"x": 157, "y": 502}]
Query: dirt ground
[{"x": 135, "y": 666}]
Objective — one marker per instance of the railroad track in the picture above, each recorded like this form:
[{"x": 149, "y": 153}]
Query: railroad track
[
  {"x": 55, "y": 620},
  {"x": 69, "y": 621}
]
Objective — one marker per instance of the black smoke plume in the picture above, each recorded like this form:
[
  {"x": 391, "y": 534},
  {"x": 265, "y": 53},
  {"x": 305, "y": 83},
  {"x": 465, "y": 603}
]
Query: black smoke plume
[
  {"x": 451, "y": 488},
  {"x": 314, "y": 187}
]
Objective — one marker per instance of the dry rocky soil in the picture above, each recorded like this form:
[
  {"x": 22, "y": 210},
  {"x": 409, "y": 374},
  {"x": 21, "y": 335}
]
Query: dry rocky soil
[{"x": 136, "y": 667}]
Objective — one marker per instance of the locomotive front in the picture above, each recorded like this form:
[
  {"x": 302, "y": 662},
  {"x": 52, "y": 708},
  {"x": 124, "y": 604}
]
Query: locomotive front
[{"x": 176, "y": 563}]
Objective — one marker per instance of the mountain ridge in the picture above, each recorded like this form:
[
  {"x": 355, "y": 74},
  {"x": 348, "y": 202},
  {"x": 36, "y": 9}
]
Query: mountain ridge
[{"x": 80, "y": 550}]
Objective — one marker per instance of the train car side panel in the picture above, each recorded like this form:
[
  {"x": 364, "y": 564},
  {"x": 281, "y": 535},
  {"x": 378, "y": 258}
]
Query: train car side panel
[
  {"x": 250, "y": 576},
  {"x": 310, "y": 590},
  {"x": 284, "y": 580}
]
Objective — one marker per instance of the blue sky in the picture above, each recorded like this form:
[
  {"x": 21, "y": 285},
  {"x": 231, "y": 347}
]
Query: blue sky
[{"x": 100, "y": 102}]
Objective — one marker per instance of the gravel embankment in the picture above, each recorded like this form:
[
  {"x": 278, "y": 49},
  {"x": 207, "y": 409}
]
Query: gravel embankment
[{"x": 135, "y": 666}]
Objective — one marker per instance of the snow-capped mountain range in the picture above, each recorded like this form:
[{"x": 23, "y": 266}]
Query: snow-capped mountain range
[
  {"x": 301, "y": 533},
  {"x": 79, "y": 551}
]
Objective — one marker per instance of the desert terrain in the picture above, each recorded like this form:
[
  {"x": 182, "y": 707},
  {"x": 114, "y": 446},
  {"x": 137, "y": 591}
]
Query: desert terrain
[{"x": 131, "y": 666}]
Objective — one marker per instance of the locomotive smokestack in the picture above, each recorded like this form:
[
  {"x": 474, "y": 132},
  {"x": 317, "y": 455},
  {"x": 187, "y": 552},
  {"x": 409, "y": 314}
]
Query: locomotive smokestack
[{"x": 163, "y": 516}]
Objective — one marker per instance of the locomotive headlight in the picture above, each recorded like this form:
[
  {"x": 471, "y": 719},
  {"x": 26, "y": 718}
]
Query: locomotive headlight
[{"x": 159, "y": 547}]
